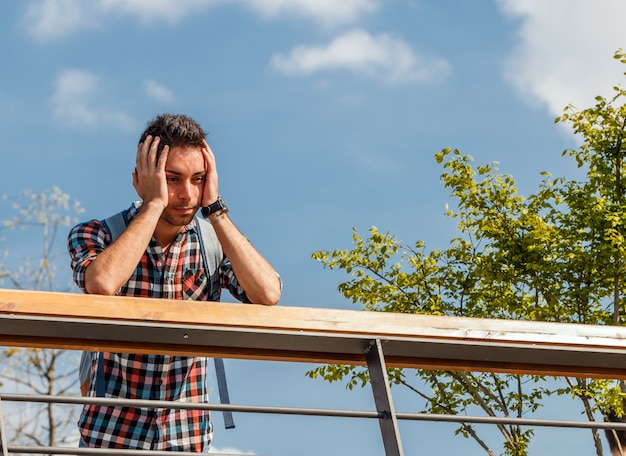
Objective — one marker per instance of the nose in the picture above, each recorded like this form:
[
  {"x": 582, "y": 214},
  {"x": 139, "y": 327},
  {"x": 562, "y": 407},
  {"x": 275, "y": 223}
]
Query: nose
[{"x": 185, "y": 190}]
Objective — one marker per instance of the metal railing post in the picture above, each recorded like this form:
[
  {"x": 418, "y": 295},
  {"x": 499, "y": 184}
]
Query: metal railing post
[
  {"x": 3, "y": 439},
  {"x": 383, "y": 400}
]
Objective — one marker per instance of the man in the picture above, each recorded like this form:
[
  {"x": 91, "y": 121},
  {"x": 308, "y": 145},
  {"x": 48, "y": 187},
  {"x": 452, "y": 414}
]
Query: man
[{"x": 159, "y": 255}]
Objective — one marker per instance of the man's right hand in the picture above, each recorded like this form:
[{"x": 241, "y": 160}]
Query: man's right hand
[
  {"x": 149, "y": 174},
  {"x": 112, "y": 267}
]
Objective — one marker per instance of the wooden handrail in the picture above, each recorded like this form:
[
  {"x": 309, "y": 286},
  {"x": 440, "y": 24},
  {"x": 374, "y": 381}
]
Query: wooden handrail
[{"x": 140, "y": 325}]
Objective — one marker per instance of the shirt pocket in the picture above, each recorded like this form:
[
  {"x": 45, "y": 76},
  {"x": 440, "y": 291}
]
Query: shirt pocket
[{"x": 195, "y": 285}]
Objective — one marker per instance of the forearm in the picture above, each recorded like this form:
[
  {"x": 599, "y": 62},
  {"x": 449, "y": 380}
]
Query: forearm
[
  {"x": 255, "y": 275},
  {"x": 111, "y": 269}
]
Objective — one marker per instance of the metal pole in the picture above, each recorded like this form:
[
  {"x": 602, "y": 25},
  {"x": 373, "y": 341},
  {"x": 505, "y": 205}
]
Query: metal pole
[
  {"x": 383, "y": 400},
  {"x": 3, "y": 439}
]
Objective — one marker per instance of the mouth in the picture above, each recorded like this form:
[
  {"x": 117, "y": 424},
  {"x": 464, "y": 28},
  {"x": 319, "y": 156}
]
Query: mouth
[{"x": 184, "y": 210}]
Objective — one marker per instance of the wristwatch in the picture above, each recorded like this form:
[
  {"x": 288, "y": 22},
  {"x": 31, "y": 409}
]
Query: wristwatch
[{"x": 219, "y": 205}]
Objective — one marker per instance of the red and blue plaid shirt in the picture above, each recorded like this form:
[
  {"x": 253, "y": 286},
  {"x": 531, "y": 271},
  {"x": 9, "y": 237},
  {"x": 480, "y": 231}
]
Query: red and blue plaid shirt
[{"x": 175, "y": 274}]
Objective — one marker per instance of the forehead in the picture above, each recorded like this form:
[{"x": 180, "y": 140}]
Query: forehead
[{"x": 187, "y": 158}]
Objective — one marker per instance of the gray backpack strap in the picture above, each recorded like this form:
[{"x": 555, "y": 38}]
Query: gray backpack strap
[
  {"x": 212, "y": 256},
  {"x": 222, "y": 388},
  {"x": 115, "y": 224}
]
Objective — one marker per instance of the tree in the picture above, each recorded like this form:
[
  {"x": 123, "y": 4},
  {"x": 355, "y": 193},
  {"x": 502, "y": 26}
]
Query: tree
[
  {"x": 38, "y": 217},
  {"x": 556, "y": 255}
]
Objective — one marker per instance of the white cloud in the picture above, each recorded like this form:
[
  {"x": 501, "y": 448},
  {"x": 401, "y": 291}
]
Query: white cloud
[
  {"x": 228, "y": 451},
  {"x": 382, "y": 57},
  {"x": 55, "y": 19},
  {"x": 76, "y": 103},
  {"x": 565, "y": 49},
  {"x": 327, "y": 12},
  {"x": 158, "y": 92},
  {"x": 73, "y": 91},
  {"x": 151, "y": 11}
]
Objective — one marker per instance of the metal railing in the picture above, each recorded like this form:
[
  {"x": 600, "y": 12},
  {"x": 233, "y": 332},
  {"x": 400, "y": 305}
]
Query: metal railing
[{"x": 376, "y": 340}]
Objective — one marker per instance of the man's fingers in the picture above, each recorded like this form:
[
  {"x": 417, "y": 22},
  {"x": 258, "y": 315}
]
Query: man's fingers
[
  {"x": 143, "y": 151},
  {"x": 208, "y": 153},
  {"x": 140, "y": 153},
  {"x": 209, "y": 158},
  {"x": 163, "y": 158},
  {"x": 153, "y": 151},
  {"x": 148, "y": 156},
  {"x": 210, "y": 192}
]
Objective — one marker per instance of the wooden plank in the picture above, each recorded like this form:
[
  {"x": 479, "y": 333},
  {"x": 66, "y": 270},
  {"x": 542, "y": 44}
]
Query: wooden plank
[
  {"x": 74, "y": 321},
  {"x": 97, "y": 307}
]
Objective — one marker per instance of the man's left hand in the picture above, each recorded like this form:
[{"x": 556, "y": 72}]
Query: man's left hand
[{"x": 210, "y": 192}]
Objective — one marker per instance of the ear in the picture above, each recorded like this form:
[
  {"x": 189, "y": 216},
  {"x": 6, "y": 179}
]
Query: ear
[{"x": 136, "y": 181}]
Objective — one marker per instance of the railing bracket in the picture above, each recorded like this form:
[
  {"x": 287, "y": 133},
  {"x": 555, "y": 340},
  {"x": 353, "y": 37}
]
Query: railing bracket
[{"x": 382, "y": 398}]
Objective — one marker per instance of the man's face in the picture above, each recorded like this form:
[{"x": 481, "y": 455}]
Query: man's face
[{"x": 185, "y": 173}]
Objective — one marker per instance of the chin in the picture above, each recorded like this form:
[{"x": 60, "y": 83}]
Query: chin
[{"x": 178, "y": 220}]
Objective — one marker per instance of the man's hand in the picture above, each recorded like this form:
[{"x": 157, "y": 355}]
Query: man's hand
[
  {"x": 210, "y": 192},
  {"x": 149, "y": 175},
  {"x": 111, "y": 269}
]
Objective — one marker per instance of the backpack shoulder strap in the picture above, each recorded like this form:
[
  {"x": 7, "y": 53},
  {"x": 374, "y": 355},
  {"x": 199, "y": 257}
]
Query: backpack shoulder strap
[
  {"x": 115, "y": 225},
  {"x": 212, "y": 253},
  {"x": 212, "y": 256}
]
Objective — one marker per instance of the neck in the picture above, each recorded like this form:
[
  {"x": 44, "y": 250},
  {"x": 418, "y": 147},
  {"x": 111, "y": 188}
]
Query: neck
[{"x": 166, "y": 234}]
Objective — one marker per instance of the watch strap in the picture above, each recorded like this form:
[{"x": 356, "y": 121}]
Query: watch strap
[{"x": 219, "y": 205}]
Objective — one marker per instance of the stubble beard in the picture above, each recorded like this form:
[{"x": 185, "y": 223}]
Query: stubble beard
[{"x": 171, "y": 218}]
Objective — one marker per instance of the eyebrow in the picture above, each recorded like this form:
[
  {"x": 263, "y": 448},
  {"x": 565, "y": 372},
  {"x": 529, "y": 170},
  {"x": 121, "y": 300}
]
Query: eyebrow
[{"x": 179, "y": 173}]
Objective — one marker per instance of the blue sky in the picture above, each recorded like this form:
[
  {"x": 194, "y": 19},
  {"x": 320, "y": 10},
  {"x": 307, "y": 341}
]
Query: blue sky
[{"x": 324, "y": 115}]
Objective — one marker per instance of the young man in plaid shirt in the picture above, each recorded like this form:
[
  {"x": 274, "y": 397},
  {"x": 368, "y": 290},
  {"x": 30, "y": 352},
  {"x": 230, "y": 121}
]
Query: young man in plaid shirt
[{"x": 159, "y": 255}]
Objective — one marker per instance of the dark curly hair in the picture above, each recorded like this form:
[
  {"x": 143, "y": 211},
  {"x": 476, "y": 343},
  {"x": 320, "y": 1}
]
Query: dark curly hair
[{"x": 175, "y": 130}]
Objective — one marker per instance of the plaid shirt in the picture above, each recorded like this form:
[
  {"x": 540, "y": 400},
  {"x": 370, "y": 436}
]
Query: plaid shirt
[{"x": 176, "y": 274}]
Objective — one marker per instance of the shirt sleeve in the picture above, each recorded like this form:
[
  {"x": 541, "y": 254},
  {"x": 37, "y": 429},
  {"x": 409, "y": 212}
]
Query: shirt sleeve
[
  {"x": 85, "y": 242},
  {"x": 229, "y": 281}
]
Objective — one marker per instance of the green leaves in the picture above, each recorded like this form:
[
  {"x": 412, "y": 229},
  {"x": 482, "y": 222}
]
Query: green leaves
[{"x": 555, "y": 255}]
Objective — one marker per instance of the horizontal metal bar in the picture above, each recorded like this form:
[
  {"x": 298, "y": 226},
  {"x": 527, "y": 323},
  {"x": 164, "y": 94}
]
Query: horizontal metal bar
[
  {"x": 336, "y": 413},
  {"x": 510, "y": 420},
  {"x": 114, "y": 402}
]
